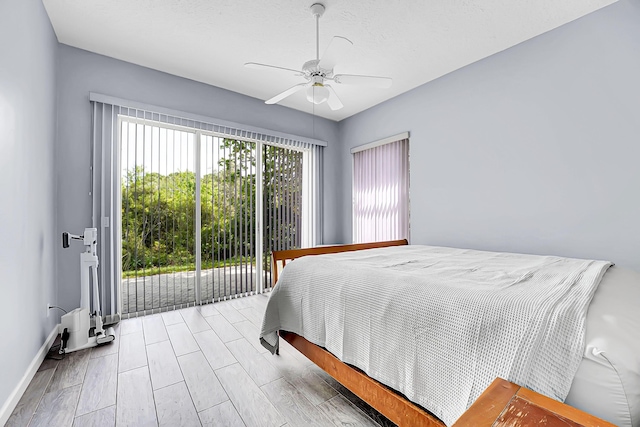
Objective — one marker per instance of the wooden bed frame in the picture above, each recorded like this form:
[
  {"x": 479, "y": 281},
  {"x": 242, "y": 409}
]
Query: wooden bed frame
[{"x": 389, "y": 403}]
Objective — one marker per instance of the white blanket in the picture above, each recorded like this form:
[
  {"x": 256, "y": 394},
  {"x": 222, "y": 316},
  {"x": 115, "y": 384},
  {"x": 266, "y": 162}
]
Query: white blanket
[{"x": 439, "y": 324}]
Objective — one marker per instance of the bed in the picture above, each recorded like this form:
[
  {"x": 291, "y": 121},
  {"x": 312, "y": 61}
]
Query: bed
[{"x": 603, "y": 378}]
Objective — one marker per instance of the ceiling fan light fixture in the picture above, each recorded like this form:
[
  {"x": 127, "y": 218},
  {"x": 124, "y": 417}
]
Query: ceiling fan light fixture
[
  {"x": 318, "y": 71},
  {"x": 317, "y": 93}
]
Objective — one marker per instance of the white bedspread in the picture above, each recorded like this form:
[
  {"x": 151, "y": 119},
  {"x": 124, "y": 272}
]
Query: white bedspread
[{"x": 439, "y": 324}]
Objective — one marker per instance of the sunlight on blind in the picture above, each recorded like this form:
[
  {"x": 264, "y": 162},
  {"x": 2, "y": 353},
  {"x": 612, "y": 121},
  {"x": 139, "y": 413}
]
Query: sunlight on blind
[{"x": 381, "y": 193}]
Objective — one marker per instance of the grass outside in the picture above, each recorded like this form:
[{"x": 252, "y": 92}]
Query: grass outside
[{"x": 206, "y": 265}]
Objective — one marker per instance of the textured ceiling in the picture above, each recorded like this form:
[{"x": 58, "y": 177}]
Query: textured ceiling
[{"x": 209, "y": 41}]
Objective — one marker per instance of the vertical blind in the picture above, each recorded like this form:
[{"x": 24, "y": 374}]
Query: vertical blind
[
  {"x": 381, "y": 191},
  {"x": 136, "y": 186},
  {"x": 157, "y": 215},
  {"x": 227, "y": 199}
]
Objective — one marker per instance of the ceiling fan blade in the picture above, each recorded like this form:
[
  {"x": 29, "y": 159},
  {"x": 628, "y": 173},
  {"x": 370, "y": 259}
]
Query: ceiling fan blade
[
  {"x": 279, "y": 97},
  {"x": 333, "y": 100},
  {"x": 373, "y": 81},
  {"x": 337, "y": 49},
  {"x": 258, "y": 66}
]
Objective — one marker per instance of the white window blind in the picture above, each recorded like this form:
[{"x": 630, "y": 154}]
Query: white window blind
[{"x": 381, "y": 190}]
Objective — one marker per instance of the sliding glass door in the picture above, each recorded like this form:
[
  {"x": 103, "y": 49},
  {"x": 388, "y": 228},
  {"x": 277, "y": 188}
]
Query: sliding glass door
[{"x": 201, "y": 212}]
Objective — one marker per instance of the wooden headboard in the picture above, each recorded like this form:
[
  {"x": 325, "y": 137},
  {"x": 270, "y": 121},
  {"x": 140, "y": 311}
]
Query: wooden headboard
[{"x": 279, "y": 258}]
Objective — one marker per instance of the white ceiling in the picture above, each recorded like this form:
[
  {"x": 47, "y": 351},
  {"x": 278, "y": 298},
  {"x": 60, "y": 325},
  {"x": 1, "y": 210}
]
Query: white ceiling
[{"x": 412, "y": 41}]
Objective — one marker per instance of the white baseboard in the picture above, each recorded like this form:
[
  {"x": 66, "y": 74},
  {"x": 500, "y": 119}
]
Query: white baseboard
[{"x": 14, "y": 398}]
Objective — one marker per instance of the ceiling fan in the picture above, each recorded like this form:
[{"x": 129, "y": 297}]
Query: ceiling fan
[{"x": 318, "y": 71}]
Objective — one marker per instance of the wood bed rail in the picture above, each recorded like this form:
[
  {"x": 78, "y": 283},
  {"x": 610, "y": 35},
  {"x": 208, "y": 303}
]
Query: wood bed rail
[
  {"x": 392, "y": 405},
  {"x": 279, "y": 258},
  {"x": 389, "y": 403}
]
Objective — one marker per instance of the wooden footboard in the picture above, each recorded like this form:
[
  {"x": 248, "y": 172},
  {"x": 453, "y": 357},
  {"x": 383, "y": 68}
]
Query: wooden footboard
[
  {"x": 386, "y": 401},
  {"x": 279, "y": 258}
]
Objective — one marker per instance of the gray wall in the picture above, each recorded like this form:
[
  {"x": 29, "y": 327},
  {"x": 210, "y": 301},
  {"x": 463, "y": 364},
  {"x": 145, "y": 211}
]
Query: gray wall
[
  {"x": 535, "y": 149},
  {"x": 27, "y": 193},
  {"x": 81, "y": 72}
]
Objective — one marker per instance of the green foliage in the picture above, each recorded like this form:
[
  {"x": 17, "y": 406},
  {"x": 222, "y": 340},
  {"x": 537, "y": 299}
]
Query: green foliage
[
  {"x": 158, "y": 211},
  {"x": 157, "y": 219},
  {"x": 282, "y": 193}
]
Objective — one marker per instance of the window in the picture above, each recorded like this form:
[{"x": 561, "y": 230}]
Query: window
[
  {"x": 189, "y": 212},
  {"x": 381, "y": 190}
]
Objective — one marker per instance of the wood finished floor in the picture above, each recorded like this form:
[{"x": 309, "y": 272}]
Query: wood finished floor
[{"x": 196, "y": 366}]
